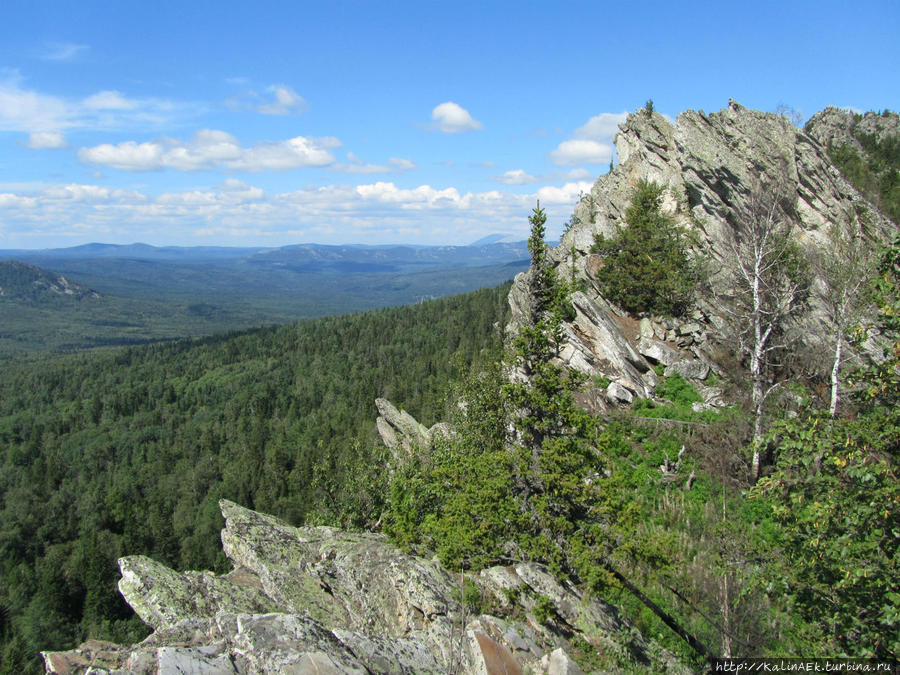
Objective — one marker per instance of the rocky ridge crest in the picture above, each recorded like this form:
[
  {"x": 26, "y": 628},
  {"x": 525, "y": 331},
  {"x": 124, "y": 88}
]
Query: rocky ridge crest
[
  {"x": 709, "y": 165},
  {"x": 320, "y": 600}
]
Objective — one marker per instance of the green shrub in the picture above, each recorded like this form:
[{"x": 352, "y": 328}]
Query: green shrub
[
  {"x": 543, "y": 609},
  {"x": 678, "y": 390}
]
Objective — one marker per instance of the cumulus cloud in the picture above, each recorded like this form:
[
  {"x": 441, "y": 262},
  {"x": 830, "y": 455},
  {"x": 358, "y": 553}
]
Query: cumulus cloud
[
  {"x": 452, "y": 118},
  {"x": 423, "y": 196},
  {"x": 515, "y": 177},
  {"x": 602, "y": 126},
  {"x": 581, "y": 151},
  {"x": 287, "y": 102},
  {"x": 46, "y": 140},
  {"x": 24, "y": 110},
  {"x": 211, "y": 149},
  {"x": 239, "y": 213},
  {"x": 567, "y": 194},
  {"x": 592, "y": 142}
]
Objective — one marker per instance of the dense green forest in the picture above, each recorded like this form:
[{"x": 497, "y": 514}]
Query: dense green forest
[{"x": 128, "y": 450}]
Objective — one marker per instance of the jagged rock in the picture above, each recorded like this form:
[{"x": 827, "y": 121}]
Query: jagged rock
[
  {"x": 161, "y": 597},
  {"x": 400, "y": 431},
  {"x": 691, "y": 369},
  {"x": 708, "y": 165},
  {"x": 595, "y": 344},
  {"x": 320, "y": 600},
  {"x": 646, "y": 328},
  {"x": 690, "y": 328}
]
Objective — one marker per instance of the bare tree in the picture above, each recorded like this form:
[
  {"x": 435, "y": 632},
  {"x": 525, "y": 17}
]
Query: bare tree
[{"x": 768, "y": 286}]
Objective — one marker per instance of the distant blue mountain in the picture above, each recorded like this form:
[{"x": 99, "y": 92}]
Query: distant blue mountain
[{"x": 492, "y": 249}]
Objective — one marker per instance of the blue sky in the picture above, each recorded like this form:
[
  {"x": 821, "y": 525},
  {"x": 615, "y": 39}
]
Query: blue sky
[{"x": 272, "y": 123}]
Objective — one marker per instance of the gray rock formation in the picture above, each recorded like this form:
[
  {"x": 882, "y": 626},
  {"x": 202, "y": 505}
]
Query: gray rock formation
[
  {"x": 709, "y": 165},
  {"x": 834, "y": 125},
  {"x": 400, "y": 431},
  {"x": 320, "y": 600}
]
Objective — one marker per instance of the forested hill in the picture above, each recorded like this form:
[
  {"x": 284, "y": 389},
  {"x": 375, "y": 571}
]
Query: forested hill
[
  {"x": 128, "y": 451},
  {"x": 23, "y": 282}
]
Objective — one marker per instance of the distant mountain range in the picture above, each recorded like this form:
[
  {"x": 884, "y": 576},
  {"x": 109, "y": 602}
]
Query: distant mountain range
[{"x": 143, "y": 293}]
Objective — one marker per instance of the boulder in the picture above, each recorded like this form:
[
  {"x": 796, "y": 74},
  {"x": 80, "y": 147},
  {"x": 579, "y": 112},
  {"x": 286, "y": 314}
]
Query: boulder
[
  {"x": 658, "y": 352},
  {"x": 690, "y": 369}
]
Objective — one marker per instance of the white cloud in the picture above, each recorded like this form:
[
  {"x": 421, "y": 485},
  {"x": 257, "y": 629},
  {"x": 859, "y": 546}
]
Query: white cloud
[
  {"x": 236, "y": 213},
  {"x": 31, "y": 111},
  {"x": 581, "y": 151},
  {"x": 108, "y": 100},
  {"x": 515, "y": 177},
  {"x": 601, "y": 127},
  {"x": 287, "y": 102},
  {"x": 451, "y": 118},
  {"x": 592, "y": 142},
  {"x": 211, "y": 149},
  {"x": 128, "y": 156},
  {"x": 23, "y": 110},
  {"x": 46, "y": 140},
  {"x": 401, "y": 164},
  {"x": 567, "y": 194},
  {"x": 423, "y": 196}
]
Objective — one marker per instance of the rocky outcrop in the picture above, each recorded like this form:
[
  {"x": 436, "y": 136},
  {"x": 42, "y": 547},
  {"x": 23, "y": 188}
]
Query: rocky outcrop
[
  {"x": 321, "y": 600},
  {"x": 839, "y": 126},
  {"x": 23, "y": 281},
  {"x": 710, "y": 165},
  {"x": 400, "y": 431}
]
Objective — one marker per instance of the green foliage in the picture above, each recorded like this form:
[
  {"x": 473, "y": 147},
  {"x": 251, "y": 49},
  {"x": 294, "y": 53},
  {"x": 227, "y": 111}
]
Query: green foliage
[
  {"x": 127, "y": 451},
  {"x": 456, "y": 499},
  {"x": 836, "y": 494},
  {"x": 646, "y": 268},
  {"x": 678, "y": 390},
  {"x": 543, "y": 609}
]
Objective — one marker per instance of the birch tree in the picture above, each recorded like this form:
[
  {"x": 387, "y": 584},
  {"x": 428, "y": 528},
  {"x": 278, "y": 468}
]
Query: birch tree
[
  {"x": 846, "y": 275},
  {"x": 768, "y": 287}
]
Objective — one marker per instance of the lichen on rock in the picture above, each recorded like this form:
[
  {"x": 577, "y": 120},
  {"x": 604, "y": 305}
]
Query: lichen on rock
[{"x": 322, "y": 600}]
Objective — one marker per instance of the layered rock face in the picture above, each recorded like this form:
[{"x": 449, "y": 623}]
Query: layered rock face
[
  {"x": 320, "y": 600},
  {"x": 710, "y": 166}
]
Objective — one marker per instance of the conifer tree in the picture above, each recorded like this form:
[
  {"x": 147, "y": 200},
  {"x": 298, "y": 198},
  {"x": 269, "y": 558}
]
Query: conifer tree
[{"x": 646, "y": 266}]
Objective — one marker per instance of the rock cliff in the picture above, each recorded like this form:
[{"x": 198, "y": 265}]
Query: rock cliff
[
  {"x": 710, "y": 165},
  {"x": 319, "y": 600}
]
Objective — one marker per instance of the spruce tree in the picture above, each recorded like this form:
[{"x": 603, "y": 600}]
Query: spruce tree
[{"x": 646, "y": 268}]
